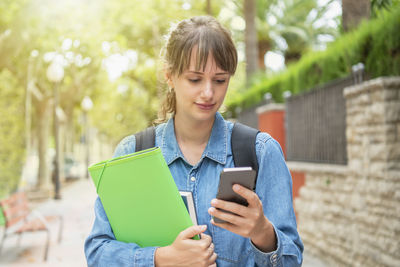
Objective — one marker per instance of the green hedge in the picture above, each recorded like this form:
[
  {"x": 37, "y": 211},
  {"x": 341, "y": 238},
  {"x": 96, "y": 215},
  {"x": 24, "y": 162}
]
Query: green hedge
[
  {"x": 375, "y": 43},
  {"x": 12, "y": 132}
]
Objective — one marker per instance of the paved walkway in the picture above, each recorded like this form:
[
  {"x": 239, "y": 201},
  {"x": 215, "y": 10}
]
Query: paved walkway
[{"x": 76, "y": 206}]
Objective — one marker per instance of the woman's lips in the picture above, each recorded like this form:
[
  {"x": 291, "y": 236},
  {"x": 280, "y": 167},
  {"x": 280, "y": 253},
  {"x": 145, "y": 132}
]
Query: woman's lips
[{"x": 205, "y": 106}]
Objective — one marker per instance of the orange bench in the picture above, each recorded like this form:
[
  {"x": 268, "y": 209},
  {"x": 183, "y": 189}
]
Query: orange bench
[{"x": 19, "y": 219}]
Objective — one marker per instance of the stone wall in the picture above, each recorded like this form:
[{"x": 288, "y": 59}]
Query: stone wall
[{"x": 350, "y": 215}]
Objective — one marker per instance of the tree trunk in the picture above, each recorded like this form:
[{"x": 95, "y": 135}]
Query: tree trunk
[
  {"x": 208, "y": 8},
  {"x": 43, "y": 117},
  {"x": 69, "y": 133},
  {"x": 263, "y": 47},
  {"x": 250, "y": 38},
  {"x": 353, "y": 12}
]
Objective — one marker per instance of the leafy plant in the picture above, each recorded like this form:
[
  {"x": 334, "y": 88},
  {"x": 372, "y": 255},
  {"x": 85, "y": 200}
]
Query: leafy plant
[{"x": 375, "y": 43}]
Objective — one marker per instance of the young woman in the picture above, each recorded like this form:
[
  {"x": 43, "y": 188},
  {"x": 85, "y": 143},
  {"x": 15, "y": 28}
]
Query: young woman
[{"x": 200, "y": 58}]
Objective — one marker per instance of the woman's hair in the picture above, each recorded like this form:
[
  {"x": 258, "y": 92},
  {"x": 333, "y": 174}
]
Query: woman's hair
[{"x": 208, "y": 35}]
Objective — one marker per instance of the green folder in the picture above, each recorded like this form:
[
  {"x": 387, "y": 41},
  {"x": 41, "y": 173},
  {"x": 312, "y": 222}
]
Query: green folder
[
  {"x": 2, "y": 219},
  {"x": 140, "y": 198}
]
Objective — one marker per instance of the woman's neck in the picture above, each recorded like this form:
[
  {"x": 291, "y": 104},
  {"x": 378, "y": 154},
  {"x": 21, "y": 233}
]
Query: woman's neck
[
  {"x": 191, "y": 131},
  {"x": 192, "y": 137}
]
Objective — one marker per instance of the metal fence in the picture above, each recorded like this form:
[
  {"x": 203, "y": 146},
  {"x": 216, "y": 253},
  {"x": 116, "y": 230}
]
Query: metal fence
[{"x": 316, "y": 122}]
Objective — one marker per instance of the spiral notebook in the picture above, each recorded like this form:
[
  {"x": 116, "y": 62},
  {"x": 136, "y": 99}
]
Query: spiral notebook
[{"x": 140, "y": 198}]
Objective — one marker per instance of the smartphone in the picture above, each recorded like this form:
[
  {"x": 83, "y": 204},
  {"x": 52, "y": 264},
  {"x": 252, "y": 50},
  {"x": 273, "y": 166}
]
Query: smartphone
[{"x": 244, "y": 176}]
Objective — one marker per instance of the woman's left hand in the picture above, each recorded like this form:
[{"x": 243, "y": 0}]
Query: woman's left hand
[{"x": 249, "y": 222}]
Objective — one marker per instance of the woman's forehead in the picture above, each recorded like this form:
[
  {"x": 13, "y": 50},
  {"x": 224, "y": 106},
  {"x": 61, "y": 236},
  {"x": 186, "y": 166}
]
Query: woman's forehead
[{"x": 207, "y": 65}]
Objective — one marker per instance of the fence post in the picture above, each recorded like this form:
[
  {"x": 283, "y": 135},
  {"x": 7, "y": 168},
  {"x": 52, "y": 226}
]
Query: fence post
[{"x": 271, "y": 119}]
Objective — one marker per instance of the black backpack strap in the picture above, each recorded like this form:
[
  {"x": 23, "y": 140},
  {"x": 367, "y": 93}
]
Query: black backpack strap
[
  {"x": 145, "y": 139},
  {"x": 243, "y": 143}
]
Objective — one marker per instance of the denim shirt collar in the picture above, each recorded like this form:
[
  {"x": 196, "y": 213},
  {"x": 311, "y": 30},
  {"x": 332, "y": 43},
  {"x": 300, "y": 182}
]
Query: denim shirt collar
[{"x": 216, "y": 148}]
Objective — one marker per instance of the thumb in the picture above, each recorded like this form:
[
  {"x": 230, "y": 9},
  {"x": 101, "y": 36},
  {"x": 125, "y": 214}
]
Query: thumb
[{"x": 192, "y": 231}]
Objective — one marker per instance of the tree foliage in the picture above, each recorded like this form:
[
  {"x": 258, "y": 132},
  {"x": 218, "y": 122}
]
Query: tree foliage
[
  {"x": 109, "y": 51},
  {"x": 294, "y": 26},
  {"x": 12, "y": 138},
  {"x": 375, "y": 43},
  {"x": 378, "y": 5}
]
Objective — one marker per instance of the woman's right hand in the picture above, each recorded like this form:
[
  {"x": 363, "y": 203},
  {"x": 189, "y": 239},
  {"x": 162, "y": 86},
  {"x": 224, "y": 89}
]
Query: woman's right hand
[{"x": 185, "y": 251}]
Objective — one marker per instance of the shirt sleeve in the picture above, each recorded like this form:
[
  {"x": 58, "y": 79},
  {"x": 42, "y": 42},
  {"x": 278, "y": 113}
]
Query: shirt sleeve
[
  {"x": 101, "y": 247},
  {"x": 274, "y": 187}
]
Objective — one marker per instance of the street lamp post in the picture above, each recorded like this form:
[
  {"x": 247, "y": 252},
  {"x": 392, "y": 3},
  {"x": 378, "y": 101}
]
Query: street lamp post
[
  {"x": 86, "y": 105},
  {"x": 28, "y": 101},
  {"x": 55, "y": 73}
]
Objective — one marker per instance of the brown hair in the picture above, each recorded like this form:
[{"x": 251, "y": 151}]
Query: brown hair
[{"x": 208, "y": 35}]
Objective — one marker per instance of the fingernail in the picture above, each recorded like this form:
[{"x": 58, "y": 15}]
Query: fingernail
[
  {"x": 203, "y": 227},
  {"x": 214, "y": 202},
  {"x": 236, "y": 187}
]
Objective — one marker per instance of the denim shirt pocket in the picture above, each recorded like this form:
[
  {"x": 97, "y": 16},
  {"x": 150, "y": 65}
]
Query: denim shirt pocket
[{"x": 230, "y": 247}]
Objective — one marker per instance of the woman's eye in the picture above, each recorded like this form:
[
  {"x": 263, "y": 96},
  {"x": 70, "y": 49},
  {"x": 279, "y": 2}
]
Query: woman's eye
[
  {"x": 221, "y": 81},
  {"x": 194, "y": 80}
]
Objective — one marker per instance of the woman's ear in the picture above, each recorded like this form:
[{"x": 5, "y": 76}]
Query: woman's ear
[{"x": 168, "y": 79}]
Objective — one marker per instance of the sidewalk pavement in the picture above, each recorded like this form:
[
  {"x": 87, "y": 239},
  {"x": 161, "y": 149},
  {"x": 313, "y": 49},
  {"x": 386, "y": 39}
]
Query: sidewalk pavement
[{"x": 76, "y": 206}]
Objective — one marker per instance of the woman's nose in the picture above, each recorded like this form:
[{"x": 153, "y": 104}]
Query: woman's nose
[{"x": 207, "y": 91}]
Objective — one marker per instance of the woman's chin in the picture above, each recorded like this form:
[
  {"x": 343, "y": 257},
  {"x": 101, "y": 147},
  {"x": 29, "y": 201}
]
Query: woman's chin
[{"x": 204, "y": 115}]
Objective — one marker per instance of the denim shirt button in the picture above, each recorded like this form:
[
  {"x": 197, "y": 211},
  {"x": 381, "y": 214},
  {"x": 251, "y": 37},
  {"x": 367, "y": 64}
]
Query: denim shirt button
[
  {"x": 274, "y": 259},
  {"x": 193, "y": 178}
]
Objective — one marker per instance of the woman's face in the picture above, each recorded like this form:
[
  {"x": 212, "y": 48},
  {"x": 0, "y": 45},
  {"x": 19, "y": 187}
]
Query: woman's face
[{"x": 199, "y": 94}]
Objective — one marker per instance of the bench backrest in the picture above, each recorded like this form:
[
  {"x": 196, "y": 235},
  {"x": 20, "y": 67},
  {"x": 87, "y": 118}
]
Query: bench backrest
[{"x": 15, "y": 208}]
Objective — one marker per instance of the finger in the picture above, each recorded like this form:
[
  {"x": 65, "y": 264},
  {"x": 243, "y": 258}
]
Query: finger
[
  {"x": 206, "y": 239},
  {"x": 212, "y": 246},
  {"x": 213, "y": 258},
  {"x": 227, "y": 217},
  {"x": 251, "y": 197},
  {"x": 211, "y": 250},
  {"x": 230, "y": 206},
  {"x": 192, "y": 231}
]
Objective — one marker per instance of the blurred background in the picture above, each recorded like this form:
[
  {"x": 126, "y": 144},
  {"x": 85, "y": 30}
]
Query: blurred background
[{"x": 77, "y": 76}]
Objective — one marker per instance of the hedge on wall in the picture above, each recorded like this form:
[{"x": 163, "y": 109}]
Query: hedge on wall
[
  {"x": 12, "y": 132},
  {"x": 375, "y": 43}
]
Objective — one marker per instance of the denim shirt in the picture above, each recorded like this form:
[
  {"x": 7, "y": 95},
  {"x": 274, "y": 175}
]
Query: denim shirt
[{"x": 274, "y": 188}]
